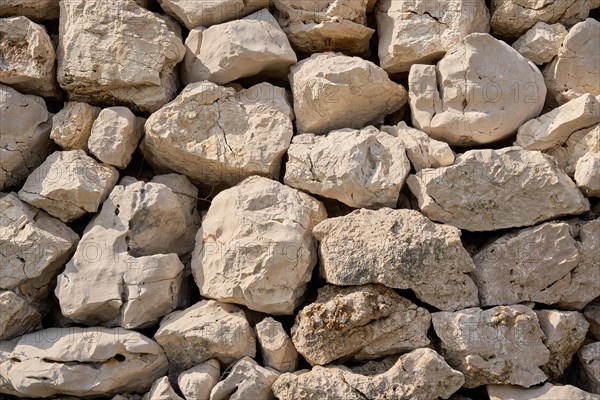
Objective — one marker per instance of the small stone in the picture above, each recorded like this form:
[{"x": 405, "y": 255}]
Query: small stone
[
  {"x": 541, "y": 43},
  {"x": 333, "y": 91},
  {"x": 206, "y": 13},
  {"x": 197, "y": 382},
  {"x": 161, "y": 390},
  {"x": 35, "y": 10},
  {"x": 72, "y": 126},
  {"x": 592, "y": 314},
  {"x": 578, "y": 144},
  {"x": 587, "y": 174},
  {"x": 546, "y": 392},
  {"x": 246, "y": 380},
  {"x": 276, "y": 347},
  {"x": 16, "y": 316},
  {"x": 588, "y": 368}
]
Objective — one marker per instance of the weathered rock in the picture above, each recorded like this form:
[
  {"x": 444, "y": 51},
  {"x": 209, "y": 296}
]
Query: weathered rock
[
  {"x": 17, "y": 316},
  {"x": 575, "y": 147},
  {"x": 35, "y": 10},
  {"x": 318, "y": 26},
  {"x": 246, "y": 380},
  {"x": 72, "y": 126},
  {"x": 588, "y": 371},
  {"x": 208, "y": 329},
  {"x": 255, "y": 246},
  {"x": 464, "y": 101},
  {"x": 254, "y": 45},
  {"x": 421, "y": 32},
  {"x": 206, "y": 13},
  {"x": 161, "y": 390},
  {"x": 136, "y": 67},
  {"x": 495, "y": 189},
  {"x": 576, "y": 69},
  {"x": 276, "y": 347},
  {"x": 546, "y": 392},
  {"x": 333, "y": 91},
  {"x": 363, "y": 168},
  {"x": 420, "y": 374},
  {"x": 592, "y": 315},
  {"x": 28, "y": 57},
  {"x": 196, "y": 383},
  {"x": 86, "y": 362},
  {"x": 541, "y": 43},
  {"x": 129, "y": 253},
  {"x": 587, "y": 174},
  {"x": 217, "y": 136},
  {"x": 402, "y": 250},
  {"x": 24, "y": 135},
  {"x": 361, "y": 322}
]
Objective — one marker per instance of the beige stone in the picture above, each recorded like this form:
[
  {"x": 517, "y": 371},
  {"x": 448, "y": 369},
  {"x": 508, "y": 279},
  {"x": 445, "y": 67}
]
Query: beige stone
[
  {"x": 276, "y": 347},
  {"x": 206, "y": 13},
  {"x": 72, "y": 126},
  {"x": 17, "y": 316},
  {"x": 588, "y": 368},
  {"x": 197, "y": 382},
  {"x": 541, "y": 43},
  {"x": 546, "y": 392},
  {"x": 587, "y": 174},
  {"x": 161, "y": 390},
  {"x": 35, "y": 10},
  {"x": 592, "y": 315},
  {"x": 246, "y": 380},
  {"x": 578, "y": 144}
]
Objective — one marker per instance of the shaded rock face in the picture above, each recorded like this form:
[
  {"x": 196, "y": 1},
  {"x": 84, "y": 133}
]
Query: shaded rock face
[
  {"x": 588, "y": 367},
  {"x": 72, "y": 126},
  {"x": 276, "y": 347},
  {"x": 197, "y": 382},
  {"x": 35, "y": 10},
  {"x": 193, "y": 14}
]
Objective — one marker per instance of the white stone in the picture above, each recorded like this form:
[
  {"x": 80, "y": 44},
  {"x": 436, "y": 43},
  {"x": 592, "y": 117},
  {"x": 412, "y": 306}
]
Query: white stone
[
  {"x": 35, "y": 10},
  {"x": 206, "y": 13},
  {"x": 72, "y": 126},
  {"x": 161, "y": 390},
  {"x": 588, "y": 371},
  {"x": 276, "y": 347},
  {"x": 578, "y": 144},
  {"x": 246, "y": 380},
  {"x": 197, "y": 382},
  {"x": 587, "y": 174},
  {"x": 541, "y": 43},
  {"x": 546, "y": 392}
]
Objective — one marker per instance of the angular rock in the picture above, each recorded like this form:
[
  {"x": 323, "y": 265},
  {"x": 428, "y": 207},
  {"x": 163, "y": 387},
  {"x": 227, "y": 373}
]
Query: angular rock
[
  {"x": 246, "y": 380},
  {"x": 136, "y": 68},
  {"x": 541, "y": 43},
  {"x": 578, "y": 145},
  {"x": 587, "y": 174},
  {"x": 403, "y": 250},
  {"x": 72, "y": 126},
  {"x": 24, "y": 135},
  {"x": 35, "y": 10},
  {"x": 161, "y": 390},
  {"x": 333, "y": 91},
  {"x": 17, "y": 316},
  {"x": 588, "y": 368},
  {"x": 254, "y": 45},
  {"x": 208, "y": 329},
  {"x": 576, "y": 69},
  {"x": 362, "y": 322},
  {"x": 363, "y": 168},
  {"x": 421, "y": 32},
  {"x": 219, "y": 136},
  {"x": 495, "y": 189},
  {"x": 276, "y": 347},
  {"x": 255, "y": 246},
  {"x": 315, "y": 27},
  {"x": 197, "y": 382},
  {"x": 546, "y": 392},
  {"x": 206, "y": 13},
  {"x": 420, "y": 374},
  {"x": 129, "y": 253},
  {"x": 28, "y": 57},
  {"x": 464, "y": 101},
  {"x": 592, "y": 315}
]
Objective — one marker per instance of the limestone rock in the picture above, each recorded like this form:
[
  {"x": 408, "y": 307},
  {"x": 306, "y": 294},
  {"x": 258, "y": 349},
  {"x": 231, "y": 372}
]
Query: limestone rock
[
  {"x": 246, "y": 380},
  {"x": 546, "y": 392},
  {"x": 400, "y": 249},
  {"x": 420, "y": 374},
  {"x": 464, "y": 101},
  {"x": 136, "y": 68},
  {"x": 495, "y": 189},
  {"x": 541, "y": 43},
  {"x": 35, "y": 10},
  {"x": 217, "y": 136},
  {"x": 592, "y": 314},
  {"x": 362, "y": 322},
  {"x": 197, "y": 382},
  {"x": 24, "y": 135},
  {"x": 129, "y": 253},
  {"x": 333, "y": 91},
  {"x": 208, "y": 329},
  {"x": 363, "y": 168},
  {"x": 255, "y": 246},
  {"x": 576, "y": 70},
  {"x": 318, "y": 26},
  {"x": 578, "y": 144},
  {"x": 421, "y": 32},
  {"x": 206, "y": 13},
  {"x": 587, "y": 174},
  {"x": 278, "y": 351},
  {"x": 28, "y": 57},
  {"x": 161, "y": 390},
  {"x": 589, "y": 367},
  {"x": 254, "y": 45},
  {"x": 72, "y": 126},
  {"x": 501, "y": 345},
  {"x": 17, "y": 316}
]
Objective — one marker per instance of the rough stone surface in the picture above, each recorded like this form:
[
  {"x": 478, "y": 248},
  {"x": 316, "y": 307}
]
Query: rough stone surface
[
  {"x": 501, "y": 345},
  {"x": 400, "y": 249},
  {"x": 487, "y": 190},
  {"x": 276, "y": 347},
  {"x": 136, "y": 67},
  {"x": 420, "y": 374},
  {"x": 219, "y": 136},
  {"x": 255, "y": 246},
  {"x": 320, "y": 26},
  {"x": 363, "y": 168},
  {"x": 35, "y": 10},
  {"x": 25, "y": 143},
  {"x": 546, "y": 392},
  {"x": 85, "y": 362},
  {"x": 361, "y": 322},
  {"x": 575, "y": 147},
  {"x": 541, "y": 43},
  {"x": 197, "y": 382},
  {"x": 588, "y": 370},
  {"x": 206, "y": 13},
  {"x": 72, "y": 126},
  {"x": 17, "y": 316},
  {"x": 246, "y": 380},
  {"x": 333, "y": 91},
  {"x": 592, "y": 315},
  {"x": 161, "y": 390},
  {"x": 463, "y": 100},
  {"x": 587, "y": 174},
  {"x": 421, "y": 32}
]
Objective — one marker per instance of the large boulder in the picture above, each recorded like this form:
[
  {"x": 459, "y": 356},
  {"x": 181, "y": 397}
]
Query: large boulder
[{"x": 193, "y": 14}]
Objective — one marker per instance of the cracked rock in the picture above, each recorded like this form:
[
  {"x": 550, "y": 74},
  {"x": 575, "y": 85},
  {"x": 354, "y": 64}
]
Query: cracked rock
[
  {"x": 69, "y": 184},
  {"x": 359, "y": 322},
  {"x": 206, "y": 13},
  {"x": 35, "y": 10},
  {"x": 588, "y": 367},
  {"x": 255, "y": 246},
  {"x": 216, "y": 135},
  {"x": 197, "y": 382},
  {"x": 208, "y": 329},
  {"x": 421, "y": 32},
  {"x": 501, "y": 345},
  {"x": 400, "y": 249},
  {"x": 72, "y": 125},
  {"x": 487, "y": 190},
  {"x": 161, "y": 390},
  {"x": 276, "y": 347},
  {"x": 546, "y": 392},
  {"x": 246, "y": 380},
  {"x": 363, "y": 168},
  {"x": 464, "y": 101},
  {"x": 333, "y": 91},
  {"x": 17, "y": 316},
  {"x": 420, "y": 374},
  {"x": 541, "y": 43},
  {"x": 136, "y": 70}
]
